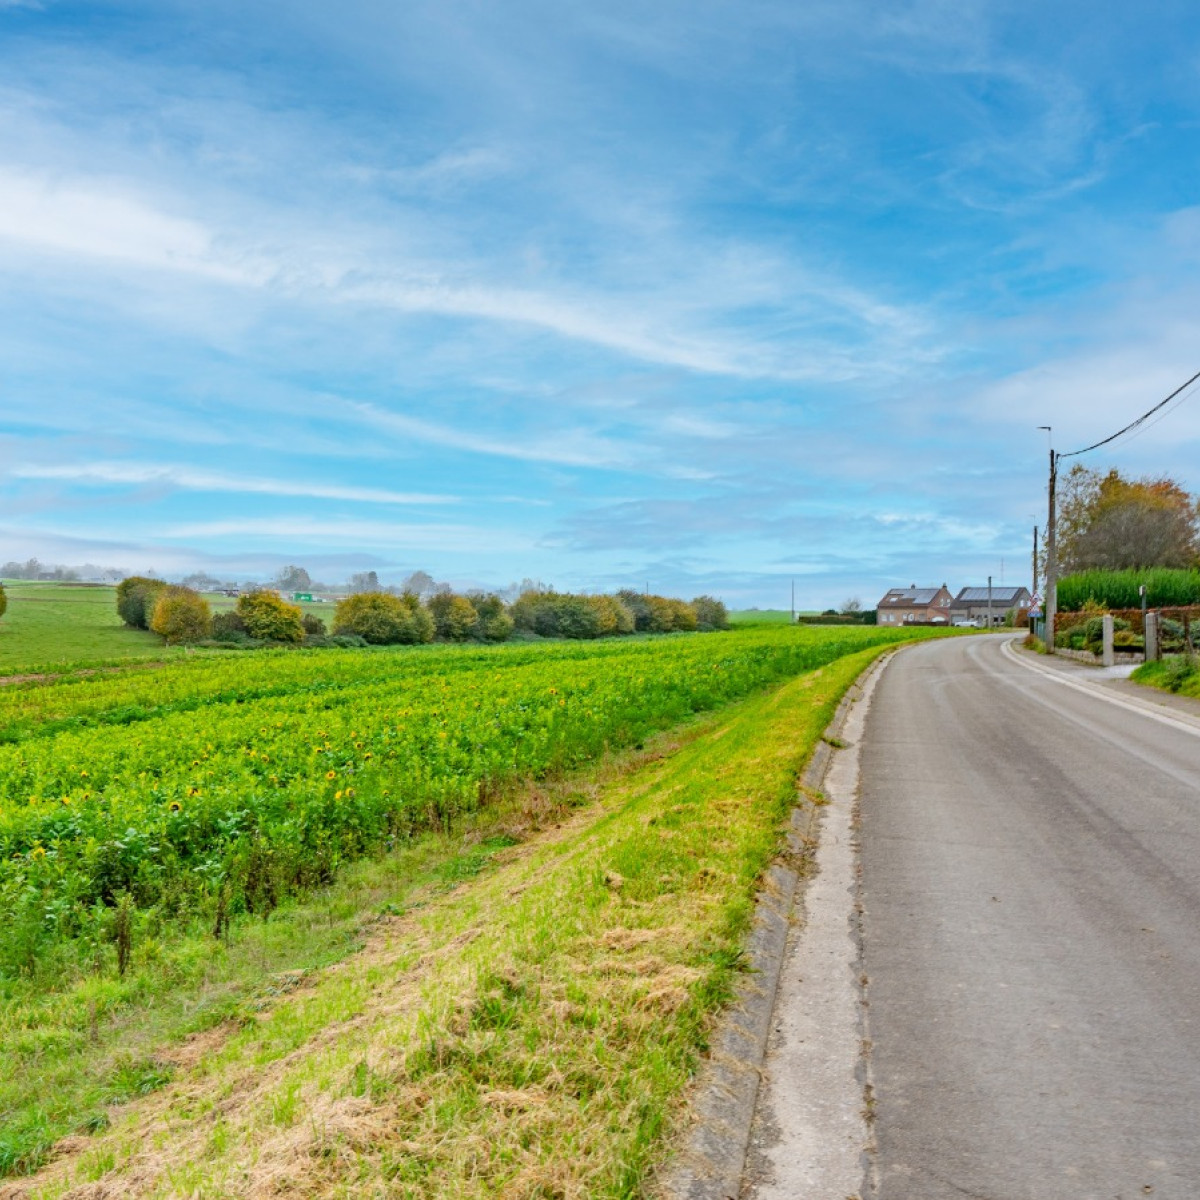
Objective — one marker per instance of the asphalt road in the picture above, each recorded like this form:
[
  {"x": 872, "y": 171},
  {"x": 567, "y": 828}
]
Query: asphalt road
[{"x": 1030, "y": 858}]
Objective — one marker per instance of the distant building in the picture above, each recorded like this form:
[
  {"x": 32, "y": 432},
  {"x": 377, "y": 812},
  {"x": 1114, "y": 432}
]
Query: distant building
[
  {"x": 914, "y": 605},
  {"x": 970, "y": 606}
]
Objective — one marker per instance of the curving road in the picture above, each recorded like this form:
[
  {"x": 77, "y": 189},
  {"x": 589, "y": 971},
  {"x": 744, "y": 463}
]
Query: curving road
[{"x": 1030, "y": 881}]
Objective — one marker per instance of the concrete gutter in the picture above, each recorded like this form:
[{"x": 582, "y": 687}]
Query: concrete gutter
[{"x": 712, "y": 1165}]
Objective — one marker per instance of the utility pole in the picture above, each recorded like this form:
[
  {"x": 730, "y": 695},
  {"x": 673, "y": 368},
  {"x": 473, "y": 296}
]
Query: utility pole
[
  {"x": 1033, "y": 591},
  {"x": 989, "y": 602},
  {"x": 1051, "y": 559}
]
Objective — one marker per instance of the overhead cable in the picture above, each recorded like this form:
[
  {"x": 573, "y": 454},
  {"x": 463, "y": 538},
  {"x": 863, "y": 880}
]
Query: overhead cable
[{"x": 1134, "y": 424}]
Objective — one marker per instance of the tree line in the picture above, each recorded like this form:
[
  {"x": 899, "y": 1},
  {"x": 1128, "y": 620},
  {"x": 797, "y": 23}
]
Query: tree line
[{"x": 180, "y": 614}]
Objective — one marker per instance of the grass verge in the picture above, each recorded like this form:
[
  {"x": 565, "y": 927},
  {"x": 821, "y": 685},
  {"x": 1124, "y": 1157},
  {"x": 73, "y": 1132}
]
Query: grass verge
[
  {"x": 520, "y": 1020},
  {"x": 1178, "y": 673}
]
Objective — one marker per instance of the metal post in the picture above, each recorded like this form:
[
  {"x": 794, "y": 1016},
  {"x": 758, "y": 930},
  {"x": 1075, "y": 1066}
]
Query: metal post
[
  {"x": 1051, "y": 560},
  {"x": 1034, "y": 591},
  {"x": 989, "y": 602}
]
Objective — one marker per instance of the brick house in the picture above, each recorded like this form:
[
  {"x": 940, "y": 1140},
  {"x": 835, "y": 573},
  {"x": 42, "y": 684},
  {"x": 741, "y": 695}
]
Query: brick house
[
  {"x": 970, "y": 606},
  {"x": 904, "y": 606}
]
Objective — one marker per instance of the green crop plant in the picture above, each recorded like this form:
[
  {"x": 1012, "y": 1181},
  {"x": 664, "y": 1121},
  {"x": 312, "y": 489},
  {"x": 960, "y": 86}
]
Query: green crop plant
[{"x": 161, "y": 784}]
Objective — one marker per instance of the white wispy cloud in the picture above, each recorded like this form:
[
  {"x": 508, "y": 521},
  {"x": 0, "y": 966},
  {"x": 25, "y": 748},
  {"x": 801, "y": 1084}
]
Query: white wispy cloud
[
  {"x": 393, "y": 536},
  {"x": 105, "y": 221},
  {"x": 571, "y": 449},
  {"x": 690, "y": 323},
  {"x": 142, "y": 474}
]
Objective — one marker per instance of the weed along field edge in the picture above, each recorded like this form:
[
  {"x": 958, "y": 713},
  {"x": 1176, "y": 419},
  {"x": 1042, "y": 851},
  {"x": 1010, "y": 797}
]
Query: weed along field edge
[{"x": 536, "y": 868}]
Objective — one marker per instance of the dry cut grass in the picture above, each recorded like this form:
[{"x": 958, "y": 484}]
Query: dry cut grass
[{"x": 531, "y": 1033}]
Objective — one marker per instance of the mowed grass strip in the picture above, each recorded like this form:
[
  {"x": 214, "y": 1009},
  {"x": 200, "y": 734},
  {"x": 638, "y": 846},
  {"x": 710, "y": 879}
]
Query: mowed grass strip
[{"x": 531, "y": 1033}]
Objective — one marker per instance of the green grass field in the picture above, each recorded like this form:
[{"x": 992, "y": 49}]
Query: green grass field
[
  {"x": 761, "y": 616},
  {"x": 51, "y": 626}
]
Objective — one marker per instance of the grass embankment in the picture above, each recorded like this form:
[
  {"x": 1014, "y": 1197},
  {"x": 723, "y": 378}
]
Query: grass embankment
[
  {"x": 1178, "y": 673},
  {"x": 54, "y": 626},
  {"x": 520, "y": 1020}
]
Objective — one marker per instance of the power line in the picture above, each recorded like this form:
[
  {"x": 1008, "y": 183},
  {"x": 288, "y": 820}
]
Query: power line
[{"x": 1134, "y": 424}]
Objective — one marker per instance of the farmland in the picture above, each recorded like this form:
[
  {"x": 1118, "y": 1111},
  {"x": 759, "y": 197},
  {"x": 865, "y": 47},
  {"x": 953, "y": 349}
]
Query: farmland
[
  {"x": 150, "y": 818},
  {"x": 49, "y": 626}
]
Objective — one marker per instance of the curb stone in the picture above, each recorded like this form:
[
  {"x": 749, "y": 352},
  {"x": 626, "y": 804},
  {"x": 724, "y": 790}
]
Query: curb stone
[{"x": 712, "y": 1162}]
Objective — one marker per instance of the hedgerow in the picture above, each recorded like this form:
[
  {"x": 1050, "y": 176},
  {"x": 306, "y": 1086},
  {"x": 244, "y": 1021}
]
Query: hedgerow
[{"x": 1165, "y": 588}]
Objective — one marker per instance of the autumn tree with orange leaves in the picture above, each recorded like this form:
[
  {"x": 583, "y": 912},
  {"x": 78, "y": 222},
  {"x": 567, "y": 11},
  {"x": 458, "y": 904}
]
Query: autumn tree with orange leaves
[{"x": 1108, "y": 522}]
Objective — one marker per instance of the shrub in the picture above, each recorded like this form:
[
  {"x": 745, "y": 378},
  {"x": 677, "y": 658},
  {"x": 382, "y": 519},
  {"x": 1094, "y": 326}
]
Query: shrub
[
  {"x": 136, "y": 597},
  {"x": 710, "y": 613},
  {"x": 561, "y": 614},
  {"x": 3, "y": 600},
  {"x": 639, "y": 606},
  {"x": 1093, "y": 628},
  {"x": 270, "y": 618},
  {"x": 313, "y": 626},
  {"x": 613, "y": 618},
  {"x": 181, "y": 615},
  {"x": 454, "y": 617},
  {"x": 229, "y": 626},
  {"x": 534, "y": 612},
  {"x": 345, "y": 640},
  {"x": 660, "y": 614},
  {"x": 683, "y": 616},
  {"x": 1171, "y": 633},
  {"x": 384, "y": 620},
  {"x": 492, "y": 623},
  {"x": 1178, "y": 669}
]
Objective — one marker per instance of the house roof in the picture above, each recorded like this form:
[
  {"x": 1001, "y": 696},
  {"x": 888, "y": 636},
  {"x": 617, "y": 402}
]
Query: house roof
[
  {"x": 911, "y": 597},
  {"x": 1000, "y": 595}
]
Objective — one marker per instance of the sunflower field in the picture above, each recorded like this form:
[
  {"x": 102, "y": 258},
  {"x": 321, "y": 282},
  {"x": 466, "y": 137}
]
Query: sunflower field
[{"x": 220, "y": 785}]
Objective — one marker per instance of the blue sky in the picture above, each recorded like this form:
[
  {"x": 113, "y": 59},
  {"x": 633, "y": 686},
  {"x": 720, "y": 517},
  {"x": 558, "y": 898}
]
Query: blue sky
[{"x": 701, "y": 295}]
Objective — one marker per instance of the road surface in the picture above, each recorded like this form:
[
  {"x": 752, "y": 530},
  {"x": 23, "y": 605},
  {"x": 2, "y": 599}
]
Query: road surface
[{"x": 1030, "y": 882}]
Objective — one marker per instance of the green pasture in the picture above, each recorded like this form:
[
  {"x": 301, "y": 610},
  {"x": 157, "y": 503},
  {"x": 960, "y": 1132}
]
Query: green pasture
[
  {"x": 49, "y": 626},
  {"x": 54, "y": 626},
  {"x": 761, "y": 616}
]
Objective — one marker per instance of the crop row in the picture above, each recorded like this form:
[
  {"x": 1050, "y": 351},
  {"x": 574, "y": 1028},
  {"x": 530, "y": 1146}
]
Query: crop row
[
  {"x": 244, "y": 780},
  {"x": 133, "y": 693}
]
